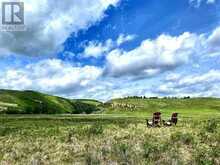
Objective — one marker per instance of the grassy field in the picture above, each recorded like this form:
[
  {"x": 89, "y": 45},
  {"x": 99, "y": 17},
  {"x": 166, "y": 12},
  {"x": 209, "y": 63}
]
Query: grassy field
[
  {"x": 201, "y": 108},
  {"x": 115, "y": 133},
  {"x": 106, "y": 139},
  {"x": 31, "y": 102}
]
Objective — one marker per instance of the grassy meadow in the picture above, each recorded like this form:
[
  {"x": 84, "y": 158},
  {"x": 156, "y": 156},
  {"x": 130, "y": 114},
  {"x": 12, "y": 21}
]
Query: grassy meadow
[
  {"x": 201, "y": 108},
  {"x": 106, "y": 139},
  {"x": 61, "y": 131}
]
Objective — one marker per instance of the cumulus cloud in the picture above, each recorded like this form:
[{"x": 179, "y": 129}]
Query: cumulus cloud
[
  {"x": 162, "y": 54},
  {"x": 203, "y": 84},
  {"x": 49, "y": 23},
  {"x": 124, "y": 38},
  {"x": 209, "y": 77},
  {"x": 51, "y": 76},
  {"x": 152, "y": 56},
  {"x": 214, "y": 38},
  {"x": 97, "y": 49},
  {"x": 213, "y": 43}
]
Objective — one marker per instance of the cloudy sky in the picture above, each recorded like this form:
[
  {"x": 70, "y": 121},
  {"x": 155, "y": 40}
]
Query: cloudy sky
[{"x": 105, "y": 49}]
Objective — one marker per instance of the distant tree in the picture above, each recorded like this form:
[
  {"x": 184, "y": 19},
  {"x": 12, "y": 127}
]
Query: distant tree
[
  {"x": 153, "y": 97},
  {"x": 186, "y": 97},
  {"x": 80, "y": 108}
]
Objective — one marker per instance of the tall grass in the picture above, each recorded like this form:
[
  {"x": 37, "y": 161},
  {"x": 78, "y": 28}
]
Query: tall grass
[{"x": 62, "y": 142}]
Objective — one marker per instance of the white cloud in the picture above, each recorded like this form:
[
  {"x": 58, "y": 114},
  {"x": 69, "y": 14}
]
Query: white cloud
[
  {"x": 172, "y": 77},
  {"x": 203, "y": 84},
  {"x": 124, "y": 38},
  {"x": 162, "y": 54},
  {"x": 49, "y": 23},
  {"x": 209, "y": 77},
  {"x": 196, "y": 85},
  {"x": 51, "y": 76},
  {"x": 97, "y": 49},
  {"x": 197, "y": 3},
  {"x": 210, "y": 1},
  {"x": 213, "y": 43},
  {"x": 152, "y": 56},
  {"x": 214, "y": 38}
]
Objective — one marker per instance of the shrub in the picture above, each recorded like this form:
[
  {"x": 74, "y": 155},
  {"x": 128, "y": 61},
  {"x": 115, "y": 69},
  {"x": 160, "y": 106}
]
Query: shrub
[
  {"x": 6, "y": 130},
  {"x": 91, "y": 159},
  {"x": 3, "y": 131},
  {"x": 124, "y": 124},
  {"x": 185, "y": 138},
  {"x": 153, "y": 148},
  {"x": 204, "y": 136},
  {"x": 211, "y": 126},
  {"x": 150, "y": 149},
  {"x": 123, "y": 152},
  {"x": 96, "y": 129},
  {"x": 81, "y": 107},
  {"x": 13, "y": 110},
  {"x": 153, "y": 151},
  {"x": 203, "y": 156}
]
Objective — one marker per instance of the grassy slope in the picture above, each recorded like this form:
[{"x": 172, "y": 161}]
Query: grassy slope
[
  {"x": 35, "y": 102},
  {"x": 194, "y": 107},
  {"x": 26, "y": 101},
  {"x": 29, "y": 100},
  {"x": 90, "y": 101}
]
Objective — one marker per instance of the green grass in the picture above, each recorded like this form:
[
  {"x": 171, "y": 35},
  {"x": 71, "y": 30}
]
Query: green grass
[
  {"x": 90, "y": 101},
  {"x": 194, "y": 107},
  {"x": 106, "y": 139},
  {"x": 116, "y": 135},
  {"x": 31, "y": 102}
]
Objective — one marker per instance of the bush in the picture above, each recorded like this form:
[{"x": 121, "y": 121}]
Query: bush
[
  {"x": 95, "y": 129},
  {"x": 7, "y": 130},
  {"x": 211, "y": 126},
  {"x": 13, "y": 110},
  {"x": 150, "y": 149},
  {"x": 123, "y": 152},
  {"x": 185, "y": 138},
  {"x": 153, "y": 148},
  {"x": 80, "y": 108},
  {"x": 206, "y": 156},
  {"x": 88, "y": 131}
]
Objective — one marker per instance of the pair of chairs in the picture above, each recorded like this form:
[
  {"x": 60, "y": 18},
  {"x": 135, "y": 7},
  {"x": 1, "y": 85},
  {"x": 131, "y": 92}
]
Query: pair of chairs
[{"x": 157, "y": 122}]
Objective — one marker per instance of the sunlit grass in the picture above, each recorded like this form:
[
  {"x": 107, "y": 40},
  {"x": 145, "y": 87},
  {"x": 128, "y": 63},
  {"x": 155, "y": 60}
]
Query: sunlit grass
[{"x": 111, "y": 140}]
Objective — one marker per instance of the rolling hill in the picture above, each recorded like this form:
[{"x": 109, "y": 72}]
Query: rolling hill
[
  {"x": 187, "y": 107},
  {"x": 31, "y": 102}
]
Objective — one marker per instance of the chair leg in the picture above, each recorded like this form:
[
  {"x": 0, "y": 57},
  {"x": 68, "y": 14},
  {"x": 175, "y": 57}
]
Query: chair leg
[{"x": 148, "y": 124}]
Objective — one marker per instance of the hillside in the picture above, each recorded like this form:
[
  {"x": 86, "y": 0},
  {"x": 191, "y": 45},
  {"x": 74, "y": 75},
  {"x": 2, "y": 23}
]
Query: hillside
[
  {"x": 145, "y": 107},
  {"x": 90, "y": 101},
  {"x": 31, "y": 102}
]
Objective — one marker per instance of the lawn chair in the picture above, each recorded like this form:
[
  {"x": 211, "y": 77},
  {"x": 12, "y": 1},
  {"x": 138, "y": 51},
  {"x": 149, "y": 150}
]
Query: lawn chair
[
  {"x": 172, "y": 121},
  {"x": 156, "y": 121}
]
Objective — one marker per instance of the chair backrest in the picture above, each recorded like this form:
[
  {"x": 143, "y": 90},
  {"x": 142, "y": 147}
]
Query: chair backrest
[
  {"x": 174, "y": 118},
  {"x": 156, "y": 118}
]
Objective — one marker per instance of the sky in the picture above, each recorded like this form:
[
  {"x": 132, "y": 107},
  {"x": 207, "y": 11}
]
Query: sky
[{"x": 104, "y": 49}]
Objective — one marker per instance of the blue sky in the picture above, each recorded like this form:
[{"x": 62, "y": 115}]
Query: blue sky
[{"x": 115, "y": 48}]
